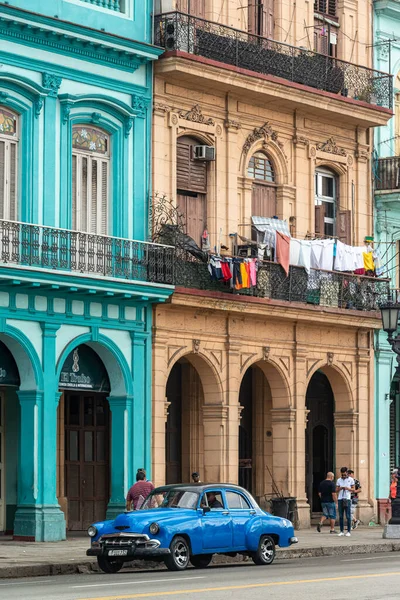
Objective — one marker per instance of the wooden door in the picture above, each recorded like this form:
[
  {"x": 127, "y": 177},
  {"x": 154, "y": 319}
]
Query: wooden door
[
  {"x": 261, "y": 17},
  {"x": 197, "y": 8},
  {"x": 2, "y": 466},
  {"x": 263, "y": 200},
  {"x": 193, "y": 207},
  {"x": 87, "y": 440}
]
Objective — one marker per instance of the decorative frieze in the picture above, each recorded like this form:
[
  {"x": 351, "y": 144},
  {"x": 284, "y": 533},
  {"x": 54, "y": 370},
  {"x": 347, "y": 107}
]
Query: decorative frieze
[
  {"x": 265, "y": 132},
  {"x": 194, "y": 115},
  {"x": 331, "y": 147},
  {"x": 52, "y": 83}
]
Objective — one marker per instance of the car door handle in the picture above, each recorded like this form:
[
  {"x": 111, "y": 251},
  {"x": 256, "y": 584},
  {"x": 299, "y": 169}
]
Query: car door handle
[
  {"x": 225, "y": 512},
  {"x": 252, "y": 512}
]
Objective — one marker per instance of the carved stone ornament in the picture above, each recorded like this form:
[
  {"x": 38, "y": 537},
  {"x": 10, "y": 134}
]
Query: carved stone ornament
[
  {"x": 331, "y": 147},
  {"x": 231, "y": 124},
  {"x": 3, "y": 96},
  {"x": 218, "y": 130},
  {"x": 196, "y": 116},
  {"x": 52, "y": 83},
  {"x": 161, "y": 108},
  {"x": 265, "y": 132},
  {"x": 139, "y": 104},
  {"x": 38, "y": 106},
  {"x": 196, "y": 346},
  {"x": 96, "y": 116},
  {"x": 166, "y": 407},
  {"x": 65, "y": 111},
  {"x": 329, "y": 358},
  {"x": 300, "y": 140},
  {"x": 266, "y": 352}
]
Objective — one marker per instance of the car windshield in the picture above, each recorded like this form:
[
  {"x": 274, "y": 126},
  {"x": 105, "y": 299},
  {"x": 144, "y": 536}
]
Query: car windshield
[{"x": 171, "y": 499}]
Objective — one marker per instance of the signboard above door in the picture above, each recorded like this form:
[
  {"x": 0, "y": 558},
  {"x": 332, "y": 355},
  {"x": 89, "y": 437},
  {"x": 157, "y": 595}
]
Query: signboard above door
[{"x": 84, "y": 370}]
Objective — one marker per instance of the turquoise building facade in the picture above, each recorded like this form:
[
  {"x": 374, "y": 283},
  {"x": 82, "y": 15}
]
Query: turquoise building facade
[
  {"x": 77, "y": 277},
  {"x": 387, "y": 235}
]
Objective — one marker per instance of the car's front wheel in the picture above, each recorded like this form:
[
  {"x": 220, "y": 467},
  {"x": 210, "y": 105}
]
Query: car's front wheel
[
  {"x": 179, "y": 558},
  {"x": 201, "y": 561},
  {"x": 109, "y": 566},
  {"x": 265, "y": 552}
]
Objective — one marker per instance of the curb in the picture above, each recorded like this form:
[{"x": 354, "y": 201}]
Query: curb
[{"x": 90, "y": 566}]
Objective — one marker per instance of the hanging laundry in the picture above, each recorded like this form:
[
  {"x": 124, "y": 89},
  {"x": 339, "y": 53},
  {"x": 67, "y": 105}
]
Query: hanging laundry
[
  {"x": 340, "y": 258},
  {"x": 305, "y": 255},
  {"x": 283, "y": 251},
  {"x": 226, "y": 272},
  {"x": 244, "y": 275},
  {"x": 295, "y": 249},
  {"x": 253, "y": 272},
  {"x": 369, "y": 264},
  {"x": 316, "y": 253},
  {"x": 205, "y": 241},
  {"x": 237, "y": 277},
  {"x": 327, "y": 254},
  {"x": 379, "y": 267},
  {"x": 214, "y": 267}
]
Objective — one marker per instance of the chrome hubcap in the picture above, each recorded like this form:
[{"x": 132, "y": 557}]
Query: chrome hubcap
[
  {"x": 267, "y": 550},
  {"x": 181, "y": 554}
]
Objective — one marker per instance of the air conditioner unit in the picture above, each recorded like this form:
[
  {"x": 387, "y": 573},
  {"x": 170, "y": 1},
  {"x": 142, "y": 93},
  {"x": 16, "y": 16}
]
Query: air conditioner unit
[
  {"x": 204, "y": 153},
  {"x": 179, "y": 35}
]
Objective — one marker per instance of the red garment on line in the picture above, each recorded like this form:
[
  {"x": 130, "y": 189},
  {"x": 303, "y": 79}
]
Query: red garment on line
[
  {"x": 226, "y": 272},
  {"x": 283, "y": 251}
]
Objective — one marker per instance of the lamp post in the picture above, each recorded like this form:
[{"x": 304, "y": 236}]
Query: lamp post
[{"x": 390, "y": 318}]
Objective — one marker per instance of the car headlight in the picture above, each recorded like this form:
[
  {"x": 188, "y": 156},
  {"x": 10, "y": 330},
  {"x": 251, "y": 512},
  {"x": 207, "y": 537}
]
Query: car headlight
[
  {"x": 154, "y": 528},
  {"x": 92, "y": 531}
]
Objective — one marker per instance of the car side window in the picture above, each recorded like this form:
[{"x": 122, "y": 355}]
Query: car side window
[
  {"x": 236, "y": 500},
  {"x": 214, "y": 500}
]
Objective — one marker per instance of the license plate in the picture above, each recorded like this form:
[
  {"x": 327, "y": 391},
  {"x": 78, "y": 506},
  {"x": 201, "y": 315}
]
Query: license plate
[{"x": 117, "y": 552}]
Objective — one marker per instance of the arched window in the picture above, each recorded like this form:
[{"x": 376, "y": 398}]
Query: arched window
[
  {"x": 8, "y": 164},
  {"x": 260, "y": 167},
  {"x": 90, "y": 179},
  {"x": 191, "y": 180},
  {"x": 263, "y": 197}
]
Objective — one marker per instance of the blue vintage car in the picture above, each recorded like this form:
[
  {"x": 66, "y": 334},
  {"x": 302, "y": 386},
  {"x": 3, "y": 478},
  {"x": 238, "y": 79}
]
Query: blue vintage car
[{"x": 186, "y": 523}]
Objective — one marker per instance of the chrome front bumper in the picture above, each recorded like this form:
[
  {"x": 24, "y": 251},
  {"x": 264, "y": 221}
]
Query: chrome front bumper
[
  {"x": 293, "y": 540},
  {"x": 137, "y": 545}
]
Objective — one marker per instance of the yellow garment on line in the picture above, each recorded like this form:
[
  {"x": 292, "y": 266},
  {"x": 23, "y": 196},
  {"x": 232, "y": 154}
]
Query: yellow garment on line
[
  {"x": 369, "y": 264},
  {"x": 245, "y": 276}
]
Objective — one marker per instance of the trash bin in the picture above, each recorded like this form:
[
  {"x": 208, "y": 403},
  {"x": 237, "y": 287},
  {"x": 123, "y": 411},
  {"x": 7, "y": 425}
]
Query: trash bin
[{"x": 284, "y": 507}]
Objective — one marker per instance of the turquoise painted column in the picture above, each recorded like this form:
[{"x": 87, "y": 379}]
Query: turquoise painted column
[
  {"x": 140, "y": 213},
  {"x": 53, "y": 518},
  {"x": 28, "y": 517},
  {"x": 121, "y": 459},
  {"x": 141, "y": 370},
  {"x": 383, "y": 377},
  {"x": 52, "y": 83}
]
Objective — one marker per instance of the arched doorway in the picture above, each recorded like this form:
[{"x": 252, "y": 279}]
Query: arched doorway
[
  {"x": 183, "y": 430},
  {"x": 9, "y": 438},
  {"x": 84, "y": 417},
  {"x": 320, "y": 438},
  {"x": 255, "y": 433}
]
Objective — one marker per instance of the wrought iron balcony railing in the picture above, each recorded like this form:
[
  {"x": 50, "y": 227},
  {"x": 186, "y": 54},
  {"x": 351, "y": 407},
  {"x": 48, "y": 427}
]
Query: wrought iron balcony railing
[
  {"x": 69, "y": 252},
  {"x": 178, "y": 31},
  {"x": 321, "y": 288},
  {"x": 110, "y": 4},
  {"x": 387, "y": 173}
]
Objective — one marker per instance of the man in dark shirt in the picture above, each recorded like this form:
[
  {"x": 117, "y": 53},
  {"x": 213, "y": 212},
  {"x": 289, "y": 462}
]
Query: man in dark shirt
[{"x": 327, "y": 493}]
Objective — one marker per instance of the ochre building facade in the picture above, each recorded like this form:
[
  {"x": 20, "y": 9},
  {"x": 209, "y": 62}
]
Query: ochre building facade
[{"x": 265, "y": 390}]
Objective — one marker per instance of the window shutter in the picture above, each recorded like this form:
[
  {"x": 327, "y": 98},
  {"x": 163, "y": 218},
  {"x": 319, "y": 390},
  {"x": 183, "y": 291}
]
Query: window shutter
[
  {"x": 198, "y": 176},
  {"x": 320, "y": 220},
  {"x": 74, "y": 188},
  {"x": 104, "y": 196},
  {"x": 194, "y": 210},
  {"x": 197, "y": 7},
  {"x": 263, "y": 201},
  {"x": 252, "y": 16},
  {"x": 268, "y": 18},
  {"x": 83, "y": 210},
  {"x": 343, "y": 226},
  {"x": 13, "y": 181},
  {"x": 93, "y": 207},
  {"x": 183, "y": 166},
  {"x": 2, "y": 177}
]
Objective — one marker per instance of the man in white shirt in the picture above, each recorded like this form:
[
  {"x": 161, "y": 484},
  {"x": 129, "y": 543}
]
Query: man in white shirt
[{"x": 344, "y": 488}]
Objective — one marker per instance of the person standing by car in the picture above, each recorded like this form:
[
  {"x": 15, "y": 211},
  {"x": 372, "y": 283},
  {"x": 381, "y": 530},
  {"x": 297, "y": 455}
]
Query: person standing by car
[
  {"x": 327, "y": 493},
  {"x": 196, "y": 477},
  {"x": 138, "y": 493},
  {"x": 344, "y": 488},
  {"x": 354, "y": 499}
]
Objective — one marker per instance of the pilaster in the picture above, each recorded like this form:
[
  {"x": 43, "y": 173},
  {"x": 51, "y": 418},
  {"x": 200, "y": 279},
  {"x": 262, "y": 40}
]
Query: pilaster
[
  {"x": 215, "y": 418},
  {"x": 50, "y": 191}
]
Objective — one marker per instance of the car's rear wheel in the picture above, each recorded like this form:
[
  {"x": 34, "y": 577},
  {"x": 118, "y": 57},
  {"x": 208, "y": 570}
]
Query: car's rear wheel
[
  {"x": 109, "y": 565},
  {"x": 265, "y": 552},
  {"x": 201, "y": 561},
  {"x": 179, "y": 558}
]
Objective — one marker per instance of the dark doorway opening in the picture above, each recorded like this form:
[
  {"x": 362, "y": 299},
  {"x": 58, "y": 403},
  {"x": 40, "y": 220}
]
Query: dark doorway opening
[
  {"x": 246, "y": 432},
  {"x": 173, "y": 428},
  {"x": 87, "y": 458},
  {"x": 320, "y": 439}
]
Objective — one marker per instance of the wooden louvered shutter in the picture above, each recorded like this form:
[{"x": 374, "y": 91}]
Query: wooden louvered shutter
[
  {"x": 194, "y": 209},
  {"x": 252, "y": 11},
  {"x": 263, "y": 201},
  {"x": 191, "y": 175},
  {"x": 197, "y": 8},
  {"x": 94, "y": 199},
  {"x": 268, "y": 18},
  {"x": 343, "y": 226},
  {"x": 104, "y": 197},
  {"x": 183, "y": 166},
  {"x": 8, "y": 180},
  {"x": 82, "y": 210},
  {"x": 2, "y": 177},
  {"x": 320, "y": 220},
  {"x": 13, "y": 182}
]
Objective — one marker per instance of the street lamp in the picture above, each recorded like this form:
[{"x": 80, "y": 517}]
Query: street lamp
[{"x": 390, "y": 318}]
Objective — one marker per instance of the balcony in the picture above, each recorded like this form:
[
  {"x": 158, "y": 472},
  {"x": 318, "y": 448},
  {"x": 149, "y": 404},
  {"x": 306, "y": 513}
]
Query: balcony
[
  {"x": 387, "y": 174},
  {"x": 182, "y": 33},
  {"x": 110, "y": 4},
  {"x": 39, "y": 249},
  {"x": 327, "y": 289}
]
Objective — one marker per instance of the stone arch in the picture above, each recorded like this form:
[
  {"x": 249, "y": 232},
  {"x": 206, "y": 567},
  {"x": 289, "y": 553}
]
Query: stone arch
[
  {"x": 204, "y": 138},
  {"x": 113, "y": 359},
  {"x": 26, "y": 358},
  {"x": 207, "y": 373},
  {"x": 277, "y": 381},
  {"x": 340, "y": 384}
]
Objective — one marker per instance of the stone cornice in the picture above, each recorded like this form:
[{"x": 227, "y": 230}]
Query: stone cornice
[
  {"x": 71, "y": 39},
  {"x": 387, "y": 8}
]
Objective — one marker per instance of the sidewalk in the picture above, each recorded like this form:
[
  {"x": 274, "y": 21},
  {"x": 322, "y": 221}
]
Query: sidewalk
[{"x": 27, "y": 559}]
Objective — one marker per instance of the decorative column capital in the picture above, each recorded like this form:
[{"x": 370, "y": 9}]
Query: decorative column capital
[
  {"x": 49, "y": 329},
  {"x": 283, "y": 415},
  {"x": 52, "y": 83},
  {"x": 117, "y": 402},
  {"x": 30, "y": 396},
  {"x": 215, "y": 412},
  {"x": 346, "y": 419}
]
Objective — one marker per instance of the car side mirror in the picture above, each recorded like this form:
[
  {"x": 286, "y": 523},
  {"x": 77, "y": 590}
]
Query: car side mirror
[{"x": 206, "y": 509}]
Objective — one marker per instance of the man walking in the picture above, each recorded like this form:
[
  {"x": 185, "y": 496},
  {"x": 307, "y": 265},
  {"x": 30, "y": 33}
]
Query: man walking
[
  {"x": 327, "y": 493},
  {"x": 354, "y": 499},
  {"x": 344, "y": 488}
]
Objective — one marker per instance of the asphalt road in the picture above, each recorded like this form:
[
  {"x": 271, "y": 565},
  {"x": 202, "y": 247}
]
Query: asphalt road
[{"x": 374, "y": 577}]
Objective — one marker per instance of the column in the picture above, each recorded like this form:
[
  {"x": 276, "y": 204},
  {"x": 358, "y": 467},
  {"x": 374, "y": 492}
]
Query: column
[
  {"x": 160, "y": 407},
  {"x": 121, "y": 458},
  {"x": 140, "y": 177},
  {"x": 142, "y": 404},
  {"x": 215, "y": 418},
  {"x": 231, "y": 379}
]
